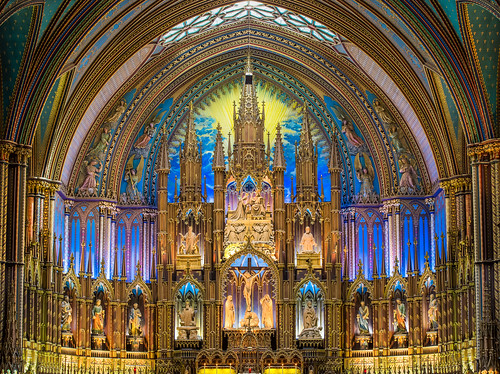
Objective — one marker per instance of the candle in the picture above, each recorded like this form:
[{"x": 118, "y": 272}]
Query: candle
[
  {"x": 281, "y": 368},
  {"x": 204, "y": 367}
]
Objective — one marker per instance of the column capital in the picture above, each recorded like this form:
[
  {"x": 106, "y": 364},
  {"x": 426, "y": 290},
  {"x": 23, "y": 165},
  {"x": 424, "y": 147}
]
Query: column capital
[
  {"x": 23, "y": 153},
  {"x": 42, "y": 186},
  {"x": 6, "y": 148},
  {"x": 489, "y": 148},
  {"x": 459, "y": 183}
]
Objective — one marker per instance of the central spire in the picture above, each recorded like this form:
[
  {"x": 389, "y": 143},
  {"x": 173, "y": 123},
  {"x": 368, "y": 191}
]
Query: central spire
[{"x": 249, "y": 150}]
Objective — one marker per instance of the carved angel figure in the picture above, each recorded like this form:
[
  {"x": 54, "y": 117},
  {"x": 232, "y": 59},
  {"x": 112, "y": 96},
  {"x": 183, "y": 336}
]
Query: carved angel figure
[
  {"x": 355, "y": 142},
  {"x": 119, "y": 110},
  {"x": 143, "y": 140},
  {"x": 91, "y": 173},
  {"x": 133, "y": 176},
  {"x": 383, "y": 114},
  {"x": 408, "y": 181},
  {"x": 365, "y": 175}
]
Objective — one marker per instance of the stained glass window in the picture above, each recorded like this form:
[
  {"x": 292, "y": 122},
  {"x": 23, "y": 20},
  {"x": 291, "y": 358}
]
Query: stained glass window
[{"x": 247, "y": 10}]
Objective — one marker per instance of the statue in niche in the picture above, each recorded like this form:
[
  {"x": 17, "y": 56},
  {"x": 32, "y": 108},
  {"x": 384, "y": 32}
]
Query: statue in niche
[
  {"x": 310, "y": 322},
  {"x": 307, "y": 243},
  {"x": 189, "y": 242},
  {"x": 399, "y": 317},
  {"x": 383, "y": 114},
  {"x": 267, "y": 312},
  {"x": 362, "y": 317},
  {"x": 432, "y": 312},
  {"x": 186, "y": 316},
  {"x": 230, "y": 317},
  {"x": 408, "y": 179},
  {"x": 261, "y": 232},
  {"x": 90, "y": 183},
  {"x": 67, "y": 314},
  {"x": 143, "y": 140},
  {"x": 240, "y": 212},
  {"x": 257, "y": 206},
  {"x": 134, "y": 321},
  {"x": 365, "y": 175},
  {"x": 98, "y": 318}
]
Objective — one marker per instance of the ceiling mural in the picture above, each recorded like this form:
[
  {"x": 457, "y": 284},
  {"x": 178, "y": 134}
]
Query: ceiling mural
[{"x": 132, "y": 181}]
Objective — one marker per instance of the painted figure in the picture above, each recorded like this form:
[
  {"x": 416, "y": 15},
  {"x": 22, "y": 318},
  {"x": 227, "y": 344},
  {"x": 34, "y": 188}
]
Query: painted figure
[
  {"x": 98, "y": 318},
  {"x": 67, "y": 316},
  {"x": 134, "y": 321},
  {"x": 399, "y": 316},
  {"x": 362, "y": 317}
]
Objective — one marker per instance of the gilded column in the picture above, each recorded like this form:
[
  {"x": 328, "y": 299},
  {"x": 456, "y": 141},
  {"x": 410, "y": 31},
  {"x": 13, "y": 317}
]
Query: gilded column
[{"x": 484, "y": 159}]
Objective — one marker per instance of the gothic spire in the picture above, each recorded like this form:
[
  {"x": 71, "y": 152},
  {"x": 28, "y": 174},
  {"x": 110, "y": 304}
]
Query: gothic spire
[
  {"x": 82, "y": 260},
  {"x": 165, "y": 161},
  {"x": 333, "y": 162},
  {"x": 153, "y": 264},
  {"x": 115, "y": 270},
  {"x": 279, "y": 154},
  {"x": 408, "y": 265},
  {"x": 191, "y": 149},
  {"x": 383, "y": 274},
  {"x": 124, "y": 265},
  {"x": 89, "y": 266},
  {"x": 375, "y": 268},
  {"x": 218, "y": 160}
]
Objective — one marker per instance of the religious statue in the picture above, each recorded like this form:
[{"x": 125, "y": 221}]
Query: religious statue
[
  {"x": 257, "y": 205},
  {"x": 432, "y": 312},
  {"x": 189, "y": 242},
  {"x": 133, "y": 176},
  {"x": 353, "y": 138},
  {"x": 262, "y": 232},
  {"x": 101, "y": 144},
  {"x": 186, "y": 316},
  {"x": 229, "y": 308},
  {"x": 248, "y": 288},
  {"x": 365, "y": 175},
  {"x": 134, "y": 321},
  {"x": 67, "y": 316},
  {"x": 383, "y": 114},
  {"x": 240, "y": 212},
  {"x": 90, "y": 183},
  {"x": 143, "y": 140},
  {"x": 399, "y": 317},
  {"x": 307, "y": 243},
  {"x": 310, "y": 323},
  {"x": 408, "y": 179},
  {"x": 309, "y": 317},
  {"x": 267, "y": 312},
  {"x": 393, "y": 132},
  {"x": 119, "y": 110},
  {"x": 235, "y": 232},
  {"x": 362, "y": 317},
  {"x": 98, "y": 318}
]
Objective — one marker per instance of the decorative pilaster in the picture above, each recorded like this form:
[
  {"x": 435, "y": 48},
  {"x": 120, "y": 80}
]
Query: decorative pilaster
[{"x": 484, "y": 158}]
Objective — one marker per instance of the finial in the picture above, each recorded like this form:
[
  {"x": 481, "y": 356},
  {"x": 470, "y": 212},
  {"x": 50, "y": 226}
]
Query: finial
[
  {"x": 426, "y": 257},
  {"x": 360, "y": 267},
  {"x": 102, "y": 266},
  {"x": 396, "y": 264},
  {"x": 71, "y": 260}
]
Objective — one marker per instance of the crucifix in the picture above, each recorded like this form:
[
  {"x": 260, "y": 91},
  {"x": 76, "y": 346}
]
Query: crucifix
[{"x": 249, "y": 280}]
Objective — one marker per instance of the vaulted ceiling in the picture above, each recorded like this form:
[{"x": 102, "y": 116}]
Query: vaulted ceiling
[{"x": 72, "y": 71}]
